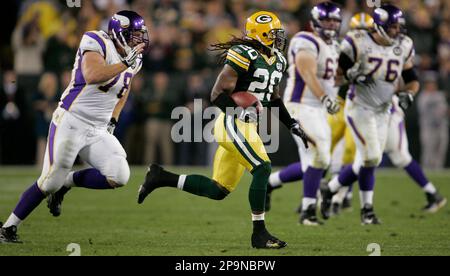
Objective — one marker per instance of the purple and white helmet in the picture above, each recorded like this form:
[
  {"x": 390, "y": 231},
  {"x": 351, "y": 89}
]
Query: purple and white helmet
[
  {"x": 128, "y": 27},
  {"x": 323, "y": 11},
  {"x": 386, "y": 16}
]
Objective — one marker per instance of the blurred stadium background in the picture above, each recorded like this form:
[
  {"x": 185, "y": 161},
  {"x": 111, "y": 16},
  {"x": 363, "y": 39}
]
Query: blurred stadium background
[{"x": 37, "y": 50}]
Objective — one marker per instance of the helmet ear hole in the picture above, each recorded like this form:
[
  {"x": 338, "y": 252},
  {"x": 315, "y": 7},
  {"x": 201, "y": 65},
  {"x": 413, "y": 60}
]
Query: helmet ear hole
[{"x": 264, "y": 34}]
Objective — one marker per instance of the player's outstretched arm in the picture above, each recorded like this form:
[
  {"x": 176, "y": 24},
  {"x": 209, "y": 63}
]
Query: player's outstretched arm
[{"x": 95, "y": 70}]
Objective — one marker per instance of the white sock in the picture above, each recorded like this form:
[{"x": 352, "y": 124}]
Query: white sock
[
  {"x": 334, "y": 184},
  {"x": 339, "y": 197},
  {"x": 181, "y": 181},
  {"x": 274, "y": 179},
  {"x": 429, "y": 188},
  {"x": 306, "y": 201},
  {"x": 349, "y": 195},
  {"x": 69, "y": 180},
  {"x": 12, "y": 220},
  {"x": 366, "y": 197},
  {"x": 258, "y": 217}
]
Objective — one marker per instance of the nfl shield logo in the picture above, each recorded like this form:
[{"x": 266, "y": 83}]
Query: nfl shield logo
[
  {"x": 279, "y": 66},
  {"x": 397, "y": 51}
]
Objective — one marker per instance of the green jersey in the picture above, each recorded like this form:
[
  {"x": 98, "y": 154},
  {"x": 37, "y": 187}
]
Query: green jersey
[{"x": 258, "y": 74}]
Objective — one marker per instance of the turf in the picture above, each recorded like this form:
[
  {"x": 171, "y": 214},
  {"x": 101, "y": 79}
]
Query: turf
[{"x": 171, "y": 222}]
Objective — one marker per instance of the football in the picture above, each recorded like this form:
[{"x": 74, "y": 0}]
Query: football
[{"x": 246, "y": 99}]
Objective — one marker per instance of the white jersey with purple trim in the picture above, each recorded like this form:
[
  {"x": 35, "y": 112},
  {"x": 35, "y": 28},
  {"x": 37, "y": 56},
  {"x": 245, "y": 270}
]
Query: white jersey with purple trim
[
  {"x": 327, "y": 62},
  {"x": 94, "y": 103},
  {"x": 383, "y": 63}
]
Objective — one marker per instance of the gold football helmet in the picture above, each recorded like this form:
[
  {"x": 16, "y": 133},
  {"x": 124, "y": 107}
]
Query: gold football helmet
[
  {"x": 266, "y": 28},
  {"x": 361, "y": 20}
]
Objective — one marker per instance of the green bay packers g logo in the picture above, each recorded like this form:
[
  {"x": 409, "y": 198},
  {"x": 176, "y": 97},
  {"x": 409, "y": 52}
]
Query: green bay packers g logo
[{"x": 264, "y": 18}]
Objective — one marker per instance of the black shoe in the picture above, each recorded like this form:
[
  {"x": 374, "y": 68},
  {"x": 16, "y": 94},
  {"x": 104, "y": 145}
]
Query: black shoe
[
  {"x": 265, "y": 240},
  {"x": 9, "y": 234},
  {"x": 299, "y": 209},
  {"x": 335, "y": 209},
  {"x": 309, "y": 218},
  {"x": 54, "y": 201},
  {"x": 434, "y": 202},
  {"x": 269, "y": 196},
  {"x": 368, "y": 216},
  {"x": 151, "y": 182},
  {"x": 327, "y": 195},
  {"x": 346, "y": 204}
]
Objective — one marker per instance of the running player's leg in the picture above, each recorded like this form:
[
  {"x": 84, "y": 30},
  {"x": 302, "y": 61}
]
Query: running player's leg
[
  {"x": 315, "y": 160},
  {"x": 63, "y": 144},
  {"x": 398, "y": 151}
]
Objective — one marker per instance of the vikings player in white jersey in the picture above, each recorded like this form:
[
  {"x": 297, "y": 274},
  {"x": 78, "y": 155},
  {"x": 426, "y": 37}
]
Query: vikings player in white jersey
[
  {"x": 311, "y": 93},
  {"x": 398, "y": 152},
  {"x": 104, "y": 67},
  {"x": 373, "y": 61}
]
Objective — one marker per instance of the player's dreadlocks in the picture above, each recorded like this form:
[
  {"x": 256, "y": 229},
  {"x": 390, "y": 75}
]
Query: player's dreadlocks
[{"x": 223, "y": 47}]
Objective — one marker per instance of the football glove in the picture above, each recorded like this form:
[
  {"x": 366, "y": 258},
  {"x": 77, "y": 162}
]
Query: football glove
[
  {"x": 131, "y": 53},
  {"x": 364, "y": 80},
  {"x": 111, "y": 125},
  {"x": 297, "y": 129},
  {"x": 405, "y": 99},
  {"x": 331, "y": 104}
]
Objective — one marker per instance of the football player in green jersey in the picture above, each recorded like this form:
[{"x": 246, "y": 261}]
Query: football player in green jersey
[{"x": 254, "y": 63}]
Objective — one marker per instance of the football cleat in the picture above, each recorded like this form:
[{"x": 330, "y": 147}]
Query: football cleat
[
  {"x": 150, "y": 183},
  {"x": 434, "y": 202},
  {"x": 54, "y": 201},
  {"x": 335, "y": 209},
  {"x": 308, "y": 217},
  {"x": 325, "y": 205},
  {"x": 368, "y": 215},
  {"x": 346, "y": 204},
  {"x": 9, "y": 234},
  {"x": 269, "y": 196},
  {"x": 264, "y": 240}
]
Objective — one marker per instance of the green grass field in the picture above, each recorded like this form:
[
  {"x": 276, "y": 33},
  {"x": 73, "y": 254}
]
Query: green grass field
[{"x": 171, "y": 222}]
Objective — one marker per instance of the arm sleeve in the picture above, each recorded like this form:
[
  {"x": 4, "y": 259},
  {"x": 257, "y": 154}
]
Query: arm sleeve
[
  {"x": 410, "y": 51},
  {"x": 349, "y": 48},
  {"x": 92, "y": 41},
  {"x": 238, "y": 59},
  {"x": 305, "y": 42}
]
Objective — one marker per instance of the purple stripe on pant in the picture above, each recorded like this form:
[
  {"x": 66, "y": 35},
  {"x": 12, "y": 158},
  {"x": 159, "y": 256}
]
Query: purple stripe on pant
[
  {"x": 51, "y": 141},
  {"x": 401, "y": 127},
  {"x": 352, "y": 124}
]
